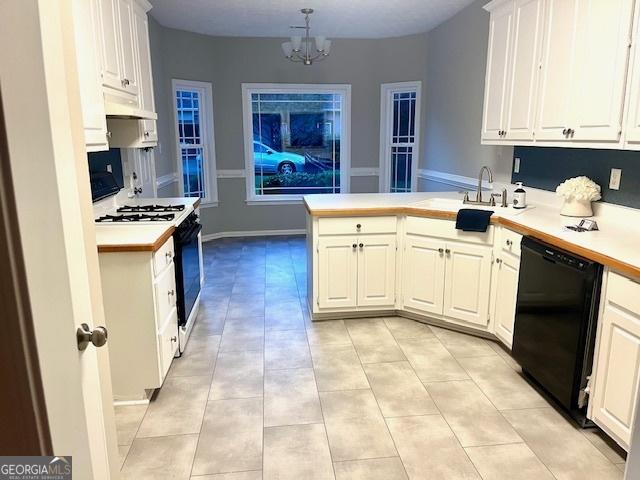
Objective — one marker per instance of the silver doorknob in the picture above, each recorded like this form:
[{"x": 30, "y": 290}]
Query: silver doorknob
[{"x": 84, "y": 335}]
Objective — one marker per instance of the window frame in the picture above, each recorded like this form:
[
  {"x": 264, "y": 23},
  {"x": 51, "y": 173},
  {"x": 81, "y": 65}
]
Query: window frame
[
  {"x": 387, "y": 90},
  {"x": 248, "y": 89},
  {"x": 205, "y": 89}
]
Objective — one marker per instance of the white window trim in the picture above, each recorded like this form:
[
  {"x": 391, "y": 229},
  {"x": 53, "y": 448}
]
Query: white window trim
[
  {"x": 386, "y": 121},
  {"x": 206, "y": 126},
  {"x": 345, "y": 138}
]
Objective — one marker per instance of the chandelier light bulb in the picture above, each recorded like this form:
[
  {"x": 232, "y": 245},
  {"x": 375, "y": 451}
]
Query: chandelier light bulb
[
  {"x": 320, "y": 41},
  {"x": 296, "y": 42},
  {"x": 297, "y": 51},
  {"x": 287, "y": 49}
]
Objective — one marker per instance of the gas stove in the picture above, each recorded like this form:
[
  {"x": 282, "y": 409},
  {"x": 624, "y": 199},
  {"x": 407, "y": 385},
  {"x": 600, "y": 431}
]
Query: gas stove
[
  {"x": 151, "y": 208},
  {"x": 142, "y": 214},
  {"x": 136, "y": 217}
]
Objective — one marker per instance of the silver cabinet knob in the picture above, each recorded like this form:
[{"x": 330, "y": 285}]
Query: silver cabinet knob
[
  {"x": 498, "y": 260},
  {"x": 361, "y": 245},
  {"x": 355, "y": 245},
  {"x": 168, "y": 255},
  {"x": 146, "y": 134},
  {"x": 109, "y": 134},
  {"x": 441, "y": 250},
  {"x": 174, "y": 339},
  {"x": 509, "y": 243},
  {"x": 84, "y": 336},
  {"x": 447, "y": 251},
  {"x": 358, "y": 226},
  {"x": 171, "y": 293}
]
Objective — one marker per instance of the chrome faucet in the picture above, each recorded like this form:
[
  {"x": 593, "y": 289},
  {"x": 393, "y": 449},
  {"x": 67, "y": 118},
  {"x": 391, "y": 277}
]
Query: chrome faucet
[{"x": 478, "y": 200}]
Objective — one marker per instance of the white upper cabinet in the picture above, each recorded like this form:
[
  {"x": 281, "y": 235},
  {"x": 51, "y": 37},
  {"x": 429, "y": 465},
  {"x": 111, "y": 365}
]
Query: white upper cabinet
[
  {"x": 524, "y": 69},
  {"x": 556, "y": 70},
  {"x": 127, "y": 47},
  {"x": 497, "y": 81},
  {"x": 148, "y": 131},
  {"x": 632, "y": 127},
  {"x": 602, "y": 55},
  {"x": 567, "y": 73},
  {"x": 92, "y": 102}
]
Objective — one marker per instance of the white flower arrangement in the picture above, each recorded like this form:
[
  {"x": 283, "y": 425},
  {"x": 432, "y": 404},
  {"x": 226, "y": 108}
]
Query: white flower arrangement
[{"x": 579, "y": 188}]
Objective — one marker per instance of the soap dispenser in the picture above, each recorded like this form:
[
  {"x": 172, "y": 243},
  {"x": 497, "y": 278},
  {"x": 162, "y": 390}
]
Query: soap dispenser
[{"x": 519, "y": 197}]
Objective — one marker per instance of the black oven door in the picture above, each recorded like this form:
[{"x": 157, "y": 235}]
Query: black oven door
[{"x": 187, "y": 262}]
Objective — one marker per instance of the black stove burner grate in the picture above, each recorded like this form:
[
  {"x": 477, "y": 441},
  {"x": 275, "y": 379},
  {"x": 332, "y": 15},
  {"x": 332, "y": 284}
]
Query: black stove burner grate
[
  {"x": 138, "y": 217},
  {"x": 151, "y": 208}
]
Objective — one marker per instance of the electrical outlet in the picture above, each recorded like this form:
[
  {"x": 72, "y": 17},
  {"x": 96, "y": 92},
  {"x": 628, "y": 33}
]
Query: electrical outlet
[
  {"x": 516, "y": 165},
  {"x": 109, "y": 168},
  {"x": 614, "y": 180}
]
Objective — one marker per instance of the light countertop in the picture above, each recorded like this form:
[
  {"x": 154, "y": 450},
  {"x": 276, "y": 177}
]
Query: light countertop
[{"x": 616, "y": 244}]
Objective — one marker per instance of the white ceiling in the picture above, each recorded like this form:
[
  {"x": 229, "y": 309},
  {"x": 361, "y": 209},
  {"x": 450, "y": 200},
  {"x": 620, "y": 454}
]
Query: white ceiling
[{"x": 333, "y": 18}]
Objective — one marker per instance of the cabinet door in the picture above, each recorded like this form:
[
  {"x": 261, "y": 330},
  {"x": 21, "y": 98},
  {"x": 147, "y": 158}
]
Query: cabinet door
[
  {"x": 506, "y": 294},
  {"x": 496, "y": 82},
  {"x": 602, "y": 55},
  {"x": 556, "y": 74},
  {"x": 149, "y": 133},
  {"x": 90, "y": 86},
  {"x": 127, "y": 47},
  {"x": 467, "y": 282},
  {"x": 337, "y": 271},
  {"x": 376, "y": 270},
  {"x": 423, "y": 274},
  {"x": 108, "y": 41},
  {"x": 632, "y": 127},
  {"x": 524, "y": 74},
  {"x": 617, "y": 365}
]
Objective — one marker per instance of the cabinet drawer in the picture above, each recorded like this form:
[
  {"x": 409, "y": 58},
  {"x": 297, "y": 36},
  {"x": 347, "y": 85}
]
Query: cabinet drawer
[
  {"x": 163, "y": 257},
  {"x": 433, "y": 227},
  {"x": 623, "y": 291},
  {"x": 168, "y": 342},
  {"x": 165, "y": 288},
  {"x": 356, "y": 225},
  {"x": 510, "y": 242}
]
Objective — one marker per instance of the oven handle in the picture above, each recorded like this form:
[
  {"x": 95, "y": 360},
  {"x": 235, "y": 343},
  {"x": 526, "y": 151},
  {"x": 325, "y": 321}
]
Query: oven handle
[{"x": 186, "y": 236}]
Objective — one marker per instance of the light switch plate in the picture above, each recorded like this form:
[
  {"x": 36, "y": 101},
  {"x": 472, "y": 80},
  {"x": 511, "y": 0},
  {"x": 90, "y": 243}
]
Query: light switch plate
[
  {"x": 614, "y": 180},
  {"x": 516, "y": 165}
]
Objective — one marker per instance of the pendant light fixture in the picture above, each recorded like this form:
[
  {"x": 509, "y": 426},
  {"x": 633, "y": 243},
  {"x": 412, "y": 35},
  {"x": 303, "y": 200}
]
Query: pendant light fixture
[{"x": 301, "y": 49}]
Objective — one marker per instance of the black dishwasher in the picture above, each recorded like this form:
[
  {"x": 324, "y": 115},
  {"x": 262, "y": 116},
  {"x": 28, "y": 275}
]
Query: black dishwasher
[{"x": 555, "y": 326}]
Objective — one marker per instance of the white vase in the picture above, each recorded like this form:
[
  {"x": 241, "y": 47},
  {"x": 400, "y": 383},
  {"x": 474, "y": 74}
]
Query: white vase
[{"x": 576, "y": 208}]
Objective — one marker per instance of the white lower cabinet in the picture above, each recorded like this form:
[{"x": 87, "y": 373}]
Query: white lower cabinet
[
  {"x": 617, "y": 360},
  {"x": 467, "y": 282},
  {"x": 139, "y": 296},
  {"x": 356, "y": 271},
  {"x": 423, "y": 274},
  {"x": 377, "y": 270},
  {"x": 337, "y": 272},
  {"x": 507, "y": 273}
]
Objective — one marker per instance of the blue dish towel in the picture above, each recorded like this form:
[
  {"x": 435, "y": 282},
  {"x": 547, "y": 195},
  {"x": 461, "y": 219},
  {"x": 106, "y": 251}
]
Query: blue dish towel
[{"x": 471, "y": 220}]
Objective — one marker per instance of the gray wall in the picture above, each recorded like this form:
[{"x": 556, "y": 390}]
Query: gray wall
[
  {"x": 228, "y": 62},
  {"x": 456, "y": 59}
]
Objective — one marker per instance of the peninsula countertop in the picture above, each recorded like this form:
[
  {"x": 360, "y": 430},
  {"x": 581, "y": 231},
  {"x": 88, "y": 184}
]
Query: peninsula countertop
[{"x": 616, "y": 244}]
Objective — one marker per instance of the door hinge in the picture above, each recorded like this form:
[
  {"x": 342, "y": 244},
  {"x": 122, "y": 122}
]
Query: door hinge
[
  {"x": 318, "y": 301},
  {"x": 583, "y": 395}
]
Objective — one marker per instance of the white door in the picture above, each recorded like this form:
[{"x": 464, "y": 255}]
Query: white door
[
  {"x": 108, "y": 42},
  {"x": 127, "y": 47},
  {"x": 556, "y": 81},
  {"x": 617, "y": 364},
  {"x": 145, "y": 94},
  {"x": 467, "y": 282},
  {"x": 632, "y": 127},
  {"x": 602, "y": 54},
  {"x": 376, "y": 270},
  {"x": 524, "y": 70},
  {"x": 497, "y": 82},
  {"x": 423, "y": 274},
  {"x": 92, "y": 101},
  {"x": 506, "y": 295},
  {"x": 337, "y": 271}
]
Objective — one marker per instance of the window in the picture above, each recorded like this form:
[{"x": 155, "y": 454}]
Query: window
[
  {"x": 297, "y": 140},
  {"x": 399, "y": 136},
  {"x": 193, "y": 108}
]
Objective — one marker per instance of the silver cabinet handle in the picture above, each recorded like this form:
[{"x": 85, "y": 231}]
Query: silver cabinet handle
[{"x": 85, "y": 336}]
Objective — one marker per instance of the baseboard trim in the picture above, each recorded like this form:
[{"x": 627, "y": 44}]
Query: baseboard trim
[
  {"x": 365, "y": 172},
  {"x": 225, "y": 173},
  {"x": 252, "y": 233}
]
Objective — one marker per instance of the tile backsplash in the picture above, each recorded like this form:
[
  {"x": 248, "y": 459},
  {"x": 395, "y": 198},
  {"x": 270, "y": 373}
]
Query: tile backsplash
[{"x": 547, "y": 167}]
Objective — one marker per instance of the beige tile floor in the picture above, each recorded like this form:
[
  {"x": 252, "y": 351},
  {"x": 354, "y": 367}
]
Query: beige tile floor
[{"x": 262, "y": 392}]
